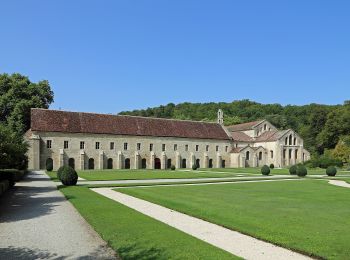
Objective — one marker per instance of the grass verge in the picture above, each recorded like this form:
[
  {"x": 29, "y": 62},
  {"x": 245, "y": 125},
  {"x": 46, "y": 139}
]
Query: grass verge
[{"x": 134, "y": 235}]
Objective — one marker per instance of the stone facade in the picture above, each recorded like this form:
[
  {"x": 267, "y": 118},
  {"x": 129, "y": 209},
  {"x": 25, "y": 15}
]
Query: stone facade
[{"x": 156, "y": 143}]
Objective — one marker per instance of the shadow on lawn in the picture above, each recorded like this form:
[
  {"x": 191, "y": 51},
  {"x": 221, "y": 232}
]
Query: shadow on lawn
[{"x": 134, "y": 252}]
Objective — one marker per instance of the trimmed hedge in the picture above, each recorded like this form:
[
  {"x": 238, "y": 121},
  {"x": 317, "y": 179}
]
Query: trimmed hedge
[
  {"x": 67, "y": 175},
  {"x": 173, "y": 167},
  {"x": 293, "y": 170},
  {"x": 12, "y": 175},
  {"x": 301, "y": 171},
  {"x": 265, "y": 170},
  {"x": 331, "y": 171},
  {"x": 272, "y": 166},
  {"x": 194, "y": 167}
]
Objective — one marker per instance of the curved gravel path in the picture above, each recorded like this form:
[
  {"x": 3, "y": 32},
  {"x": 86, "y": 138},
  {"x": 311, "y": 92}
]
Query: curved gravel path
[
  {"x": 226, "y": 239},
  {"x": 37, "y": 222}
]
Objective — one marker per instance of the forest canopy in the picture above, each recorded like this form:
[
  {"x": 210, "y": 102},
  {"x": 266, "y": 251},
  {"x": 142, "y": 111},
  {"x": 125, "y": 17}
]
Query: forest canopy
[{"x": 321, "y": 126}]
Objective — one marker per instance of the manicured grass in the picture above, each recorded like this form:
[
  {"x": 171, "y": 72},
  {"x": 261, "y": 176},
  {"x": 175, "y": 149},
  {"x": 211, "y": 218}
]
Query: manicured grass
[
  {"x": 105, "y": 175},
  {"x": 52, "y": 175},
  {"x": 134, "y": 235},
  {"x": 310, "y": 216},
  {"x": 147, "y": 174}
]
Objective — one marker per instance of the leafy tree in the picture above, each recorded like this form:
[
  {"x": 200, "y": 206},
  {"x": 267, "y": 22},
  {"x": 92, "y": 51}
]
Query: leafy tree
[
  {"x": 17, "y": 95},
  {"x": 342, "y": 149},
  {"x": 12, "y": 149}
]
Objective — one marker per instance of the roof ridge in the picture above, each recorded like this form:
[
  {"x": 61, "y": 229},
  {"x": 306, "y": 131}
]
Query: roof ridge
[{"x": 147, "y": 117}]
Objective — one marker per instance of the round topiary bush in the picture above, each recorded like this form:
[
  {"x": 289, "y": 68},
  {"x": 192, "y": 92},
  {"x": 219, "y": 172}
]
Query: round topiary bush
[
  {"x": 331, "y": 171},
  {"x": 194, "y": 167},
  {"x": 172, "y": 167},
  {"x": 265, "y": 170},
  {"x": 272, "y": 166},
  {"x": 67, "y": 175},
  {"x": 301, "y": 171},
  {"x": 293, "y": 170}
]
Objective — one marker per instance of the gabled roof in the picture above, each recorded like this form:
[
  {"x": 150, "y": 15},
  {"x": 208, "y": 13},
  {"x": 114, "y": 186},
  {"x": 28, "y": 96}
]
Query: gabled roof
[
  {"x": 239, "y": 149},
  {"x": 270, "y": 136},
  {"x": 44, "y": 120},
  {"x": 241, "y": 137},
  {"x": 244, "y": 126}
]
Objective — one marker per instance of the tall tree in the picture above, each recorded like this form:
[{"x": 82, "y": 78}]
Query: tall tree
[{"x": 17, "y": 96}]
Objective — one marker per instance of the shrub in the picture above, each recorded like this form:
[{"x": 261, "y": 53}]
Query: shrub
[
  {"x": 293, "y": 170},
  {"x": 265, "y": 170},
  {"x": 67, "y": 175},
  {"x": 272, "y": 166},
  {"x": 331, "y": 171},
  {"x": 173, "y": 167},
  {"x": 301, "y": 171},
  {"x": 194, "y": 167},
  {"x": 323, "y": 162},
  {"x": 12, "y": 175}
]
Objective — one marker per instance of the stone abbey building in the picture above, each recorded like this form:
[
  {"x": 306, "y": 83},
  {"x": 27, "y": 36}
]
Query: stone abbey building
[{"x": 102, "y": 141}]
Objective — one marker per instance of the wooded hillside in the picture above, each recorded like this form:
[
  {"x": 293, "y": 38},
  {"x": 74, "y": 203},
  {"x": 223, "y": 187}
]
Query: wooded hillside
[{"x": 321, "y": 126}]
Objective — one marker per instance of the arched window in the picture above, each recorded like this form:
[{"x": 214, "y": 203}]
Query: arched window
[
  {"x": 223, "y": 164},
  {"x": 198, "y": 163},
  {"x": 183, "y": 163},
  {"x": 168, "y": 164},
  {"x": 71, "y": 163},
  {"x": 49, "y": 164},
  {"x": 286, "y": 141},
  {"x": 271, "y": 153},
  {"x": 295, "y": 141},
  {"x": 210, "y": 163},
  {"x": 264, "y": 126},
  {"x": 127, "y": 163},
  {"x": 91, "y": 163},
  {"x": 290, "y": 140},
  {"x": 157, "y": 163},
  {"x": 143, "y": 163},
  {"x": 110, "y": 163},
  {"x": 247, "y": 154},
  {"x": 260, "y": 156}
]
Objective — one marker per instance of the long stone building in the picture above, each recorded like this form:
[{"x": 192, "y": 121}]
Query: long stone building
[{"x": 101, "y": 141}]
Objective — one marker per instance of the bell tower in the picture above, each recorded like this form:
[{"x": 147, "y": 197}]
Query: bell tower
[{"x": 220, "y": 117}]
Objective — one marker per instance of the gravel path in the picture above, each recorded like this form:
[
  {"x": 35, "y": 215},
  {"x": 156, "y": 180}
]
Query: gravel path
[
  {"x": 226, "y": 239},
  {"x": 37, "y": 222},
  {"x": 339, "y": 183}
]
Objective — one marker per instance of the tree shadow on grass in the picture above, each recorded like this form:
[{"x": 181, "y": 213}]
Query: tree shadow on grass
[{"x": 134, "y": 252}]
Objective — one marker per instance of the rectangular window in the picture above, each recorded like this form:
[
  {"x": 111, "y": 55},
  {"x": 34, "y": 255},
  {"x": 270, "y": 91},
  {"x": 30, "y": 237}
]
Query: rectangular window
[
  {"x": 175, "y": 147},
  {"x": 125, "y": 146},
  {"x": 65, "y": 144},
  {"x": 217, "y": 148},
  {"x": 48, "y": 143},
  {"x": 197, "y": 148},
  {"x": 138, "y": 146},
  {"x": 296, "y": 154},
  {"x": 207, "y": 148},
  {"x": 163, "y": 147},
  {"x": 97, "y": 145},
  {"x": 271, "y": 154},
  {"x": 82, "y": 145},
  {"x": 150, "y": 147},
  {"x": 111, "y": 145},
  {"x": 226, "y": 149},
  {"x": 186, "y": 147}
]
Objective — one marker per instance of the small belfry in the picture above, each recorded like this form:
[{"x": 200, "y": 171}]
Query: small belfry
[{"x": 220, "y": 117}]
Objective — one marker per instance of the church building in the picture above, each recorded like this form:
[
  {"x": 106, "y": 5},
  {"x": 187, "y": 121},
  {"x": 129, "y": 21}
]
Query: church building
[{"x": 103, "y": 141}]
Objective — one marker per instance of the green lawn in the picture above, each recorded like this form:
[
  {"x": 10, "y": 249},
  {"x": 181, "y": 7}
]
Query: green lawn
[
  {"x": 134, "y": 235},
  {"x": 310, "y": 216},
  {"x": 101, "y": 175}
]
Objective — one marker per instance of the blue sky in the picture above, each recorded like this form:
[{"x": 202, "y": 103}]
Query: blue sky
[{"x": 110, "y": 56}]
